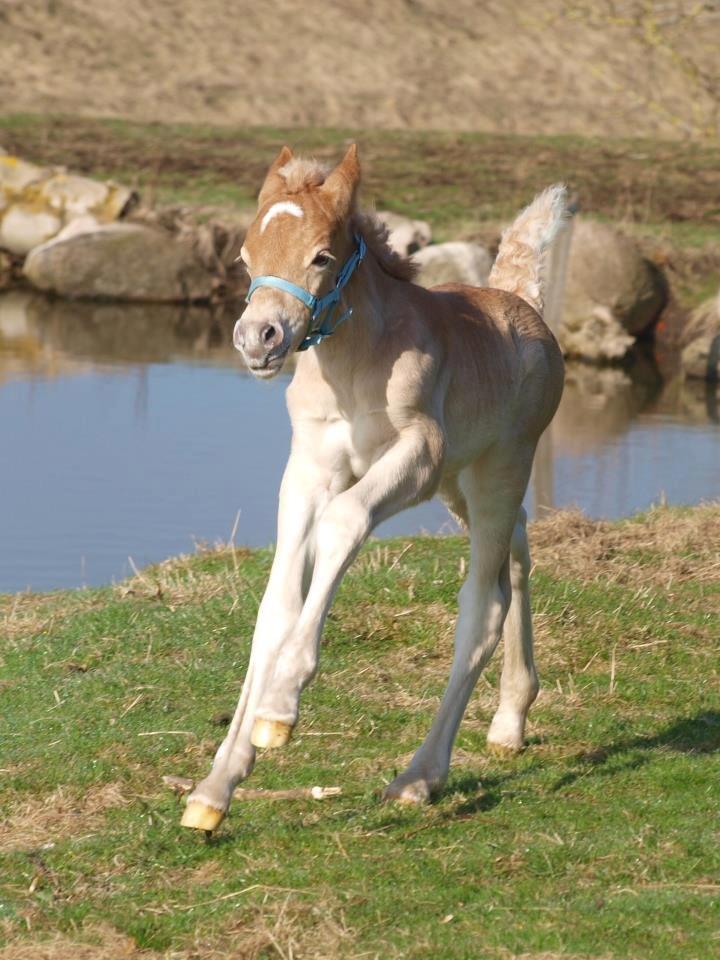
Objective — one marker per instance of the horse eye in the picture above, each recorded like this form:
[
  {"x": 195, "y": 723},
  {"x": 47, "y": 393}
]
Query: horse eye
[{"x": 321, "y": 260}]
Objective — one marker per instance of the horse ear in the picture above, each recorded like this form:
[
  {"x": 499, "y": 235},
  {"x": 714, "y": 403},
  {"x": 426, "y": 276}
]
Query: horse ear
[
  {"x": 342, "y": 184},
  {"x": 273, "y": 181}
]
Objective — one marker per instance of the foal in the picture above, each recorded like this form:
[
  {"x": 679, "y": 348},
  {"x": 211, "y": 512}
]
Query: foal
[{"x": 418, "y": 392}]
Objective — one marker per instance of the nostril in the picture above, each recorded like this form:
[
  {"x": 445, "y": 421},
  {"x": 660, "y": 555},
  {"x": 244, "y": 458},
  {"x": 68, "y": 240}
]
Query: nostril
[{"x": 268, "y": 333}]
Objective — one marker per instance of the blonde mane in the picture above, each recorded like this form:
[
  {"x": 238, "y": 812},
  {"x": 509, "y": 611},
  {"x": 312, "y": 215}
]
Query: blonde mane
[
  {"x": 302, "y": 173},
  {"x": 376, "y": 237}
]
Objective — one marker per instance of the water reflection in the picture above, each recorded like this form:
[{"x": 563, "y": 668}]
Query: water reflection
[
  {"x": 130, "y": 430},
  {"x": 46, "y": 337},
  {"x": 623, "y": 439},
  {"x": 600, "y": 402}
]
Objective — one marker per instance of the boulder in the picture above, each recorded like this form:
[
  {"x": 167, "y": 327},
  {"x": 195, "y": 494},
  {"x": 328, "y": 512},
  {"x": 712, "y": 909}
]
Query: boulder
[
  {"x": 612, "y": 293},
  {"x": 454, "y": 262},
  {"x": 595, "y": 336},
  {"x": 16, "y": 174},
  {"x": 405, "y": 236},
  {"x": 125, "y": 261},
  {"x": 24, "y": 226},
  {"x": 37, "y": 203},
  {"x": 700, "y": 357}
]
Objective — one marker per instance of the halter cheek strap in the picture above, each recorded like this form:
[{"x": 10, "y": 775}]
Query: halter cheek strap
[{"x": 322, "y": 309}]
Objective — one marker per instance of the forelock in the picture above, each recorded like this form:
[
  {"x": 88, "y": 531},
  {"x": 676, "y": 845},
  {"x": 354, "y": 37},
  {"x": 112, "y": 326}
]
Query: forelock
[{"x": 300, "y": 173}]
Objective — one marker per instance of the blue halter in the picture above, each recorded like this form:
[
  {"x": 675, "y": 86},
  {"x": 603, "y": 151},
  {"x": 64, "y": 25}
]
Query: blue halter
[{"x": 319, "y": 327}]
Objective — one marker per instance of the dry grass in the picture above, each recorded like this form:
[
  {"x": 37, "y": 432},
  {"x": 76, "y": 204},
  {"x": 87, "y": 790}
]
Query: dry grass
[
  {"x": 667, "y": 546},
  {"x": 284, "y": 929},
  {"x": 26, "y": 614},
  {"x": 100, "y": 942},
  {"x": 550, "y": 955},
  {"x": 176, "y": 581},
  {"x": 524, "y": 67},
  {"x": 627, "y": 708},
  {"x": 44, "y": 820}
]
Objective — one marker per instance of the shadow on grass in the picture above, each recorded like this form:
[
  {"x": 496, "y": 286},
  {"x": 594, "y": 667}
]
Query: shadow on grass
[
  {"x": 691, "y": 735},
  {"x": 467, "y": 795}
]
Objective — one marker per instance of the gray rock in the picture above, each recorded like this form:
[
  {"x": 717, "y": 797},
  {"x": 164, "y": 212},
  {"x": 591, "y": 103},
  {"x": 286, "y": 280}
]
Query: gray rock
[
  {"x": 612, "y": 293},
  {"x": 123, "y": 261},
  {"x": 454, "y": 262},
  {"x": 700, "y": 357},
  {"x": 406, "y": 236},
  {"x": 595, "y": 335}
]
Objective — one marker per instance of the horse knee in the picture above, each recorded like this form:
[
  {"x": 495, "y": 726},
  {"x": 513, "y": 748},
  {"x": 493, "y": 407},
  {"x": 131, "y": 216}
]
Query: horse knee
[
  {"x": 343, "y": 526},
  {"x": 482, "y": 612}
]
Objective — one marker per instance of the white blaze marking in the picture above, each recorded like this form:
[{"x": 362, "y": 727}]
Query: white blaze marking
[{"x": 284, "y": 206}]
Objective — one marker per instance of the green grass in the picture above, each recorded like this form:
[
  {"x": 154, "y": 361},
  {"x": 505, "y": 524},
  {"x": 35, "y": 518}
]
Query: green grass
[
  {"x": 601, "y": 840},
  {"x": 450, "y": 178},
  {"x": 464, "y": 184}
]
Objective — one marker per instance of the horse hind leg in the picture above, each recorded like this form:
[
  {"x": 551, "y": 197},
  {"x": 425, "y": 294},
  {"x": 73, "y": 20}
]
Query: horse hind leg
[
  {"x": 483, "y": 604},
  {"x": 519, "y": 682},
  {"x": 452, "y": 496}
]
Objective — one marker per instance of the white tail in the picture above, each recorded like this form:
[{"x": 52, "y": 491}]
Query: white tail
[{"x": 521, "y": 260}]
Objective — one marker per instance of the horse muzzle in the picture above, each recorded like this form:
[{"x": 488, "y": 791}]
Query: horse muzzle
[{"x": 262, "y": 344}]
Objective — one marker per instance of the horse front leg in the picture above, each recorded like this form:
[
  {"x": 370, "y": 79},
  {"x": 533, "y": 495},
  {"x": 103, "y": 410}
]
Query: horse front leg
[
  {"x": 303, "y": 493},
  {"x": 406, "y": 473}
]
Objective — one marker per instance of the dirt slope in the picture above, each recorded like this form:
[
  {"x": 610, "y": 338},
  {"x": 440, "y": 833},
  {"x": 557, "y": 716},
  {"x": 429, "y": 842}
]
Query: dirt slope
[{"x": 532, "y": 66}]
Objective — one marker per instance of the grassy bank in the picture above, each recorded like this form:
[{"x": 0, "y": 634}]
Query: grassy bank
[
  {"x": 465, "y": 185},
  {"x": 600, "y": 841}
]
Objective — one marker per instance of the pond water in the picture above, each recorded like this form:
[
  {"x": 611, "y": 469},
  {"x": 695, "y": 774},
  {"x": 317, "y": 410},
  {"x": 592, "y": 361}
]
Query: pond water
[{"x": 133, "y": 432}]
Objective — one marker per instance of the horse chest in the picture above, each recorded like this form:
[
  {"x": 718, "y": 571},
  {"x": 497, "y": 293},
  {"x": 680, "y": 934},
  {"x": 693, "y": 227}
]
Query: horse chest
[
  {"x": 350, "y": 445},
  {"x": 363, "y": 445}
]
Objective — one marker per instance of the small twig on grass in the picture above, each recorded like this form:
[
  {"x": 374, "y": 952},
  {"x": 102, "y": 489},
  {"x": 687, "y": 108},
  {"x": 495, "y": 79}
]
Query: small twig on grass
[
  {"x": 162, "y": 733},
  {"x": 592, "y": 658},
  {"x": 143, "y": 579},
  {"x": 635, "y": 891},
  {"x": 325, "y": 733},
  {"x": 226, "y": 896},
  {"x": 135, "y": 702},
  {"x": 688, "y": 885},
  {"x": 399, "y": 557},
  {"x": 183, "y": 785}
]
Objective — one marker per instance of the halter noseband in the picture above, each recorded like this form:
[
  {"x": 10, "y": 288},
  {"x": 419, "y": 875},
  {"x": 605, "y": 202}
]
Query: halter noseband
[{"x": 319, "y": 327}]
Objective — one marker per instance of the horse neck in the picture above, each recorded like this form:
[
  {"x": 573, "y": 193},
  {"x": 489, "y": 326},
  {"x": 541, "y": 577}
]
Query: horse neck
[{"x": 354, "y": 342}]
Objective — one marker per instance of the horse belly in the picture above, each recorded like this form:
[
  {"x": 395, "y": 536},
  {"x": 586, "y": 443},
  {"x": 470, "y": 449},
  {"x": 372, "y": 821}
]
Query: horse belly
[{"x": 467, "y": 441}]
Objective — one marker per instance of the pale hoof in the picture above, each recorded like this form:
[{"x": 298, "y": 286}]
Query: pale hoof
[
  {"x": 268, "y": 734},
  {"x": 504, "y": 749},
  {"x": 199, "y": 816},
  {"x": 411, "y": 788},
  {"x": 506, "y": 735}
]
